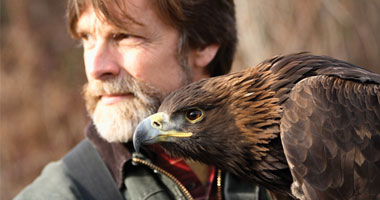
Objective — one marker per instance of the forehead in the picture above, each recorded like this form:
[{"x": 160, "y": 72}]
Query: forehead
[{"x": 118, "y": 14}]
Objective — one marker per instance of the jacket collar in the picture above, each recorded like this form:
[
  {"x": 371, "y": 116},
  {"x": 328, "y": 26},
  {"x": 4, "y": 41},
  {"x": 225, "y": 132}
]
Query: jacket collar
[{"x": 114, "y": 155}]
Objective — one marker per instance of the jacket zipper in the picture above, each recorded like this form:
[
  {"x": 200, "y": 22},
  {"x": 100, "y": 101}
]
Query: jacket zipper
[
  {"x": 155, "y": 167},
  {"x": 180, "y": 185},
  {"x": 219, "y": 184}
]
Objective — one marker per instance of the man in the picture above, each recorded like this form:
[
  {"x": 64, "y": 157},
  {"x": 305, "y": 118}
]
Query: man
[{"x": 135, "y": 53}]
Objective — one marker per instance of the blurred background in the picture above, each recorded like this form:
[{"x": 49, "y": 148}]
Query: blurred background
[{"x": 42, "y": 114}]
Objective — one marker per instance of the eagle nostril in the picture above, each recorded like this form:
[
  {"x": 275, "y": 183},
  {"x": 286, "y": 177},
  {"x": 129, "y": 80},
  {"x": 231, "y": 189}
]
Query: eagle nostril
[{"x": 156, "y": 124}]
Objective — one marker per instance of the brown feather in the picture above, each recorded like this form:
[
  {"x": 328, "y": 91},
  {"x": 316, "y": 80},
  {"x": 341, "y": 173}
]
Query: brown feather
[{"x": 314, "y": 116}]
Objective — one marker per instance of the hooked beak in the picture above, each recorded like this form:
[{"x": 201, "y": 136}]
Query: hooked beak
[{"x": 154, "y": 129}]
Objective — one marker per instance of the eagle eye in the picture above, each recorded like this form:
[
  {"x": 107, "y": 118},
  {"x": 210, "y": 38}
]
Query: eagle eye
[{"x": 194, "y": 115}]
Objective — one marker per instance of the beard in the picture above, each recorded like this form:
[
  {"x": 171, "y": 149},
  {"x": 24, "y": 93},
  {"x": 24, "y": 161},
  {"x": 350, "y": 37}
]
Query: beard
[{"x": 117, "y": 122}]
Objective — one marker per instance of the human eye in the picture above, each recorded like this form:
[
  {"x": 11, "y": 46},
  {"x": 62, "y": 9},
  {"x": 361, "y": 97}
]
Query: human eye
[
  {"x": 86, "y": 39},
  {"x": 84, "y": 36},
  {"x": 127, "y": 39},
  {"x": 121, "y": 36}
]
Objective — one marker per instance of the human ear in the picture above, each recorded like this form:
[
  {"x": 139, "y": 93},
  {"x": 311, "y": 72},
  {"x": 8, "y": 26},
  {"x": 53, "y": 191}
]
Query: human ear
[
  {"x": 203, "y": 56},
  {"x": 199, "y": 58}
]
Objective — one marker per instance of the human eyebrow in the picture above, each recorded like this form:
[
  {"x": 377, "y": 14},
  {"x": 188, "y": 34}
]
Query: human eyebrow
[
  {"x": 129, "y": 27},
  {"x": 127, "y": 31}
]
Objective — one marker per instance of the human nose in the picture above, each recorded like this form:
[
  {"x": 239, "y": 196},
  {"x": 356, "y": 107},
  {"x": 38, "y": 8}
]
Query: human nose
[{"x": 101, "y": 62}]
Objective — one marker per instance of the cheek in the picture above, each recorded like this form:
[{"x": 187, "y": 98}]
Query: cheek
[
  {"x": 159, "y": 70},
  {"x": 169, "y": 77},
  {"x": 86, "y": 59}
]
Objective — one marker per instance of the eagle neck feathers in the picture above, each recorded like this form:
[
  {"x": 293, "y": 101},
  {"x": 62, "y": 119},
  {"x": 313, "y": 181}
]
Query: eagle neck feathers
[{"x": 256, "y": 110}]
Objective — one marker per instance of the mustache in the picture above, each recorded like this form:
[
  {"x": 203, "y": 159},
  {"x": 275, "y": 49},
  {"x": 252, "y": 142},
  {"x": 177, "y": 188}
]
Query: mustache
[
  {"x": 94, "y": 90},
  {"x": 119, "y": 85}
]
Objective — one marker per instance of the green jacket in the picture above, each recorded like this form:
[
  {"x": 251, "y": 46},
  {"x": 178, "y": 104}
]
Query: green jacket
[{"x": 137, "y": 180}]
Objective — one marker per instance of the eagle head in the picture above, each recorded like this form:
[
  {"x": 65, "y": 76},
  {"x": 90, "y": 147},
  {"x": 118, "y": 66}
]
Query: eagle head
[{"x": 211, "y": 121}]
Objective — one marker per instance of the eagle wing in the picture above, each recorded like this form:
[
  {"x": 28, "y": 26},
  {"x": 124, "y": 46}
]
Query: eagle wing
[{"x": 330, "y": 131}]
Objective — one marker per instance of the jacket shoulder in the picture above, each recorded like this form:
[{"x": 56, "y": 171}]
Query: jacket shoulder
[{"x": 53, "y": 183}]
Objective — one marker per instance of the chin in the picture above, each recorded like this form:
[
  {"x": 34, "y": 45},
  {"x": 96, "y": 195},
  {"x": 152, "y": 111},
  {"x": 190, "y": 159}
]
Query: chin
[{"x": 117, "y": 122}]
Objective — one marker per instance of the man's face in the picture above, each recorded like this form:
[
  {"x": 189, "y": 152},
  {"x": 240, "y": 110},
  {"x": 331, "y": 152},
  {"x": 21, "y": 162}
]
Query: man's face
[{"x": 129, "y": 70}]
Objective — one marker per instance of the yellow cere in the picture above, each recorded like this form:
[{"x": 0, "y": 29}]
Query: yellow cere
[
  {"x": 156, "y": 118},
  {"x": 176, "y": 134}
]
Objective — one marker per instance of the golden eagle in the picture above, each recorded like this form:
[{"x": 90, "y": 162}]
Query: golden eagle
[{"x": 301, "y": 125}]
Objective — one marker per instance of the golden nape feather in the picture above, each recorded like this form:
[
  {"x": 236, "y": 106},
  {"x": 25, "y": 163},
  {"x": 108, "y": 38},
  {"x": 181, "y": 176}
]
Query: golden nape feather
[{"x": 303, "y": 126}]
